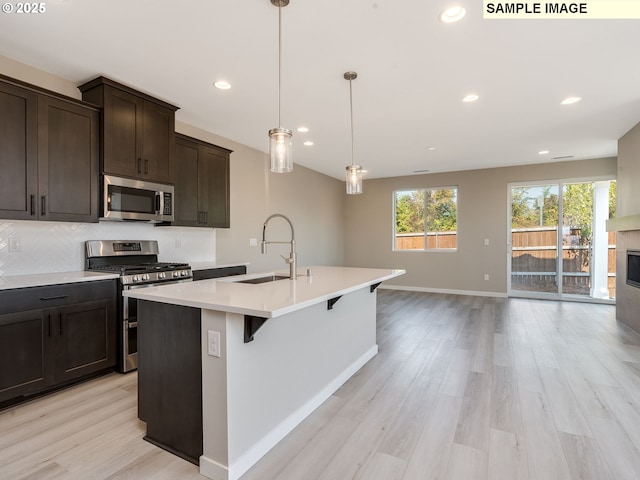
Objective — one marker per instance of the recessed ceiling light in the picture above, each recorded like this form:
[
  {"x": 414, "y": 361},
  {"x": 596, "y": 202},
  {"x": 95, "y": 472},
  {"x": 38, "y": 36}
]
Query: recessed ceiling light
[
  {"x": 303, "y": 129},
  {"x": 222, "y": 85},
  {"x": 543, "y": 152},
  {"x": 453, "y": 14},
  {"x": 431, "y": 148},
  {"x": 472, "y": 97},
  {"x": 570, "y": 100},
  {"x": 308, "y": 143}
]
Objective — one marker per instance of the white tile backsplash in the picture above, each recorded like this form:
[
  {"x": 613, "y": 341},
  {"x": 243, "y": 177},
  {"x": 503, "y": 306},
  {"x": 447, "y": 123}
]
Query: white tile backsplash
[{"x": 49, "y": 247}]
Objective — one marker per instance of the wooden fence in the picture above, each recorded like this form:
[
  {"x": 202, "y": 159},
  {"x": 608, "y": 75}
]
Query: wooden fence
[{"x": 415, "y": 241}]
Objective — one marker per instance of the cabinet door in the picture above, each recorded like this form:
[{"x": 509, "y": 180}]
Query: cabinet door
[
  {"x": 186, "y": 186},
  {"x": 18, "y": 161},
  {"x": 158, "y": 143},
  {"x": 122, "y": 143},
  {"x": 68, "y": 143},
  {"x": 213, "y": 190},
  {"x": 84, "y": 336},
  {"x": 25, "y": 353}
]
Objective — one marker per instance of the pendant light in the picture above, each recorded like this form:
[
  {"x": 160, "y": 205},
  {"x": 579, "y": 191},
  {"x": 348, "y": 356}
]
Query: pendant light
[
  {"x": 280, "y": 138},
  {"x": 354, "y": 172}
]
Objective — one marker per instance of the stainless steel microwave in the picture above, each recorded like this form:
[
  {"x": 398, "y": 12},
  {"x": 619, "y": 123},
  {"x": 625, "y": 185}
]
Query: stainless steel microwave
[{"x": 127, "y": 199}]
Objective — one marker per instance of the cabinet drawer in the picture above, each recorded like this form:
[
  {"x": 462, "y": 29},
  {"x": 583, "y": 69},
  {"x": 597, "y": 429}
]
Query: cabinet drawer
[
  {"x": 218, "y": 272},
  {"x": 33, "y": 298}
]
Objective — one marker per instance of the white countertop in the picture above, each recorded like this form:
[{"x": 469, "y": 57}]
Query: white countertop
[
  {"x": 38, "y": 280},
  {"x": 268, "y": 300}
]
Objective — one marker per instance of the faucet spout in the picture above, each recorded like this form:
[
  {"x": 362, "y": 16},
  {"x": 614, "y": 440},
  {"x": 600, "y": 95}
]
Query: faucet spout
[{"x": 292, "y": 259}]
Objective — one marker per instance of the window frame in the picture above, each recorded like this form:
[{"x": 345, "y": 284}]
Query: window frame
[{"x": 425, "y": 249}]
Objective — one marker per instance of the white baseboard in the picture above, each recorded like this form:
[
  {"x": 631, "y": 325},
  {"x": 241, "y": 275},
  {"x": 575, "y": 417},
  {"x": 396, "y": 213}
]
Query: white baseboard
[
  {"x": 444, "y": 290},
  {"x": 212, "y": 469},
  {"x": 216, "y": 471}
]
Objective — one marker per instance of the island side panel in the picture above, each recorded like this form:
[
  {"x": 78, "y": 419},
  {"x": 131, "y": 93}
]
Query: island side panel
[
  {"x": 170, "y": 378},
  {"x": 294, "y": 363}
]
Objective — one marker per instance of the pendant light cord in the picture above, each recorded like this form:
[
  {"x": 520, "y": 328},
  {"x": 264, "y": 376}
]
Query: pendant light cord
[
  {"x": 351, "y": 109},
  {"x": 279, "y": 59}
]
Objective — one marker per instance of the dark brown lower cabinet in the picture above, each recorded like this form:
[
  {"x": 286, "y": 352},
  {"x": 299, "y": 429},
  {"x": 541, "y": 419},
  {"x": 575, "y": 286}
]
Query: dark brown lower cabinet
[
  {"x": 219, "y": 272},
  {"x": 25, "y": 353},
  {"x": 67, "y": 334},
  {"x": 170, "y": 377}
]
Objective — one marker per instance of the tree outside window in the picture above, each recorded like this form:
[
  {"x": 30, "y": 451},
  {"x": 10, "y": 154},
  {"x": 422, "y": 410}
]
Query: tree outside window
[{"x": 425, "y": 219}]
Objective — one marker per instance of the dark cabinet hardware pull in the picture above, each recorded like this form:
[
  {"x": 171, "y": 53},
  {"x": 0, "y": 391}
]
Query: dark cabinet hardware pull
[
  {"x": 43, "y": 205},
  {"x": 33, "y": 204},
  {"x": 61, "y": 330},
  {"x": 49, "y": 321},
  {"x": 139, "y": 165},
  {"x": 146, "y": 166},
  {"x": 58, "y": 297}
]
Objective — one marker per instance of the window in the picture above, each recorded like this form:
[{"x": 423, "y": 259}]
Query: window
[{"x": 425, "y": 219}]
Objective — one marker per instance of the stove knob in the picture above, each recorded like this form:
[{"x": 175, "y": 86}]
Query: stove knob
[
  {"x": 176, "y": 274},
  {"x": 161, "y": 275},
  {"x": 135, "y": 278},
  {"x": 145, "y": 277},
  {"x": 183, "y": 273}
]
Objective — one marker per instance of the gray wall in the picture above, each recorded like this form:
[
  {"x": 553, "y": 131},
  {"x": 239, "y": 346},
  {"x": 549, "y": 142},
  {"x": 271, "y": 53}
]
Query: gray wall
[
  {"x": 629, "y": 173},
  {"x": 313, "y": 202},
  {"x": 482, "y": 213},
  {"x": 628, "y": 297}
]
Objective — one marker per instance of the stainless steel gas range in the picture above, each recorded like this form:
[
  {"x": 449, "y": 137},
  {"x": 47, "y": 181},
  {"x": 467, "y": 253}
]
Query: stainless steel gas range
[{"x": 137, "y": 263}]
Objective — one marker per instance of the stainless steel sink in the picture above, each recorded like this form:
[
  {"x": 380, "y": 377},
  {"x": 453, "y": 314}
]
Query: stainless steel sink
[{"x": 268, "y": 278}]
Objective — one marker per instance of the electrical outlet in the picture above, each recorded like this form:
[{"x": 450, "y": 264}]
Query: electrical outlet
[
  {"x": 486, "y": 242},
  {"x": 178, "y": 243},
  {"x": 14, "y": 244},
  {"x": 253, "y": 242},
  {"x": 213, "y": 341},
  {"x": 486, "y": 276}
]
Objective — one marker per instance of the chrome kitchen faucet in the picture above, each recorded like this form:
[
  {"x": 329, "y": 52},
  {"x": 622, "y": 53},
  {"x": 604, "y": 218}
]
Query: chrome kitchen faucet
[{"x": 292, "y": 255}]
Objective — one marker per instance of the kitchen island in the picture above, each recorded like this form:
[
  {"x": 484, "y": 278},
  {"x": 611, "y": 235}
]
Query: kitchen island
[{"x": 254, "y": 359}]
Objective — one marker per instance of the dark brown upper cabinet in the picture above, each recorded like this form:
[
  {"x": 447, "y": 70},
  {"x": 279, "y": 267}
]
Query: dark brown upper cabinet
[
  {"x": 49, "y": 153},
  {"x": 137, "y": 131},
  {"x": 202, "y": 184}
]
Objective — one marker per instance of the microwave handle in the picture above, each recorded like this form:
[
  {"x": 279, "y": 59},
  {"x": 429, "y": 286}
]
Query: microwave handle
[{"x": 159, "y": 203}]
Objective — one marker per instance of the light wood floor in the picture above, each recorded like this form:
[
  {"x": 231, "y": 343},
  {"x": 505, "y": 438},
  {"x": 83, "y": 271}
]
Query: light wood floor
[{"x": 466, "y": 388}]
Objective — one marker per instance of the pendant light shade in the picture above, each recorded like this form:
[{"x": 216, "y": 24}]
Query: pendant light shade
[
  {"x": 280, "y": 150},
  {"x": 354, "y": 172},
  {"x": 354, "y": 179},
  {"x": 280, "y": 144}
]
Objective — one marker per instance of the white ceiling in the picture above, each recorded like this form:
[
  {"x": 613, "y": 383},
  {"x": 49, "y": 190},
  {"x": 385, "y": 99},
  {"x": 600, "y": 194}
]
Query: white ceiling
[{"x": 413, "y": 71}]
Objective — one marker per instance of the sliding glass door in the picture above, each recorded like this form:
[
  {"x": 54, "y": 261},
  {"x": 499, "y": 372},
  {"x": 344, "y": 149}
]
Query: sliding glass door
[
  {"x": 534, "y": 238},
  {"x": 558, "y": 243}
]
